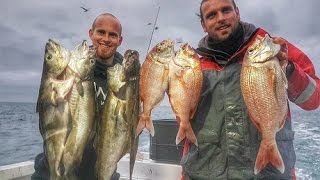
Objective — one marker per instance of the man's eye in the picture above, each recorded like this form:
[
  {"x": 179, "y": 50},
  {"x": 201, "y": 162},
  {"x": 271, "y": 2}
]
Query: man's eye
[
  {"x": 100, "y": 32},
  {"x": 226, "y": 10},
  {"x": 210, "y": 15}
]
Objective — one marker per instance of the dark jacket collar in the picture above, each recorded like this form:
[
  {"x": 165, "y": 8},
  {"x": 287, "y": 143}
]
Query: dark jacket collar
[{"x": 207, "y": 45}]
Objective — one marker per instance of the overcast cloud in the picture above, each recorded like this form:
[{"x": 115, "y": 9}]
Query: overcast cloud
[{"x": 26, "y": 25}]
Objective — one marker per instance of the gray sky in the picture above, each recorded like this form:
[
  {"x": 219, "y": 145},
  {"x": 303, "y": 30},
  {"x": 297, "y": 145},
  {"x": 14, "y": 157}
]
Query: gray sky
[{"x": 26, "y": 25}]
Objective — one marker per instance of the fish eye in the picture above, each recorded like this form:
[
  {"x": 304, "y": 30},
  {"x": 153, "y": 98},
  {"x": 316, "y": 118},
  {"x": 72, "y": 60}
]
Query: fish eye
[
  {"x": 49, "y": 57},
  {"x": 92, "y": 61}
]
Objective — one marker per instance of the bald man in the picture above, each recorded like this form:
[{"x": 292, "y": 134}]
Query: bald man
[{"x": 105, "y": 35}]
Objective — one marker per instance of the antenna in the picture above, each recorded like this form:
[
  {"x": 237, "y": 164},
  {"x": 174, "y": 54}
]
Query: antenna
[{"x": 155, "y": 22}]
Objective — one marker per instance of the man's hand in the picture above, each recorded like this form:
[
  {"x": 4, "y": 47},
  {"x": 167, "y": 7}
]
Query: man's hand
[{"x": 283, "y": 53}]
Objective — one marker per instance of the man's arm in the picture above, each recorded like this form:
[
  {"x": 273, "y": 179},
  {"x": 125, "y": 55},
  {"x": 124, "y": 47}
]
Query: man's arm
[{"x": 303, "y": 84}]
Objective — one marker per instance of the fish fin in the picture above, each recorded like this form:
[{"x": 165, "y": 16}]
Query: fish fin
[
  {"x": 62, "y": 88},
  {"x": 80, "y": 88},
  {"x": 179, "y": 73},
  {"x": 276, "y": 159},
  {"x": 186, "y": 132},
  {"x": 285, "y": 80},
  {"x": 53, "y": 98},
  {"x": 268, "y": 153},
  {"x": 133, "y": 153},
  {"x": 256, "y": 124},
  {"x": 272, "y": 80},
  {"x": 145, "y": 122},
  {"x": 141, "y": 125},
  {"x": 282, "y": 122},
  {"x": 149, "y": 126}
]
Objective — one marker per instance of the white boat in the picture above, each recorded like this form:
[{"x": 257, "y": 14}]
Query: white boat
[
  {"x": 160, "y": 164},
  {"x": 144, "y": 169}
]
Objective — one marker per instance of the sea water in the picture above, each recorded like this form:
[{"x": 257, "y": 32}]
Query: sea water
[{"x": 20, "y": 139}]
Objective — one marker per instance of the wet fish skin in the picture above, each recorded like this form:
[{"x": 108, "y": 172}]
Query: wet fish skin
[
  {"x": 154, "y": 81},
  {"x": 56, "y": 59},
  {"x": 116, "y": 134},
  {"x": 185, "y": 84},
  {"x": 264, "y": 89},
  {"x": 132, "y": 70},
  {"x": 113, "y": 127},
  {"x": 52, "y": 105},
  {"x": 82, "y": 107}
]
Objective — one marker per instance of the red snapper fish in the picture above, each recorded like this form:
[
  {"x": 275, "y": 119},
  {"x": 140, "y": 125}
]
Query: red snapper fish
[
  {"x": 185, "y": 83},
  {"x": 154, "y": 81},
  {"x": 264, "y": 89}
]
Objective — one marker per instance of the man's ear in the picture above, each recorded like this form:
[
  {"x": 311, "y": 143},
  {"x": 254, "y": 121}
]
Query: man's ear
[
  {"x": 120, "y": 40},
  {"x": 238, "y": 12},
  {"x": 203, "y": 26},
  {"x": 90, "y": 33}
]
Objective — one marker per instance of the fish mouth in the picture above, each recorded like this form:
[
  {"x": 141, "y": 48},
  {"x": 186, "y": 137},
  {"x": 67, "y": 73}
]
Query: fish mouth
[
  {"x": 263, "y": 50},
  {"x": 170, "y": 42},
  {"x": 166, "y": 49},
  {"x": 187, "y": 53},
  {"x": 129, "y": 57},
  {"x": 51, "y": 46},
  {"x": 132, "y": 53}
]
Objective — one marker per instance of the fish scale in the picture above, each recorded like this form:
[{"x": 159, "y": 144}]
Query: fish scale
[
  {"x": 82, "y": 108},
  {"x": 52, "y": 109},
  {"x": 116, "y": 134},
  {"x": 154, "y": 81},
  {"x": 185, "y": 84},
  {"x": 263, "y": 85}
]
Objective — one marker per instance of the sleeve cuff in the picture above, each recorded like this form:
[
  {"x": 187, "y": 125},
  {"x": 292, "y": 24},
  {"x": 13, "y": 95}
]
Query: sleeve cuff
[{"x": 289, "y": 69}]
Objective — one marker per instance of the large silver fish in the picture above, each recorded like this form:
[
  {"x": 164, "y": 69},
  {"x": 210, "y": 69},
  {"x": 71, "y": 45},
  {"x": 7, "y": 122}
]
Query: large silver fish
[
  {"x": 185, "y": 84},
  {"x": 82, "y": 107},
  {"x": 116, "y": 129},
  {"x": 154, "y": 81},
  {"x": 52, "y": 104},
  {"x": 264, "y": 89}
]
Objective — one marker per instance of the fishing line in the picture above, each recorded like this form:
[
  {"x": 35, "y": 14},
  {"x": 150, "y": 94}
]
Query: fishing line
[{"x": 154, "y": 25}]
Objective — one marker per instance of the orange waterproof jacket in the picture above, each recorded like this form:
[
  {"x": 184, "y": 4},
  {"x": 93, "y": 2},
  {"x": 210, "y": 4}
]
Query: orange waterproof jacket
[
  {"x": 303, "y": 84},
  {"x": 223, "y": 129}
]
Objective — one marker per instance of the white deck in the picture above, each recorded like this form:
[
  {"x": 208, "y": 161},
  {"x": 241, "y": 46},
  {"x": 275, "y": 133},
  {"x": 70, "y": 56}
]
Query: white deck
[
  {"x": 144, "y": 169},
  {"x": 18, "y": 171}
]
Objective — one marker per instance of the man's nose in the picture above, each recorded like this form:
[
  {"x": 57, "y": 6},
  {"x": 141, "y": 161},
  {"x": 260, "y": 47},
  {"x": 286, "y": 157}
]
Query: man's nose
[
  {"x": 220, "y": 16},
  {"x": 106, "y": 38}
]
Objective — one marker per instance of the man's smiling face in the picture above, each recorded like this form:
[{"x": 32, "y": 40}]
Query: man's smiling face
[{"x": 106, "y": 36}]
